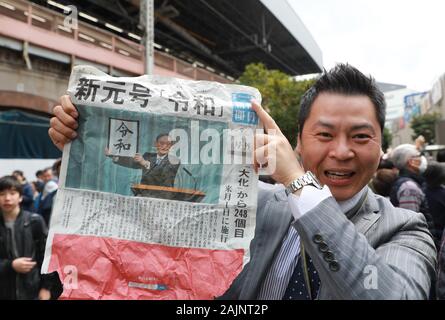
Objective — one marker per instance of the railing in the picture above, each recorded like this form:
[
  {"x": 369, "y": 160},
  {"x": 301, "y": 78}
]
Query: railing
[{"x": 90, "y": 36}]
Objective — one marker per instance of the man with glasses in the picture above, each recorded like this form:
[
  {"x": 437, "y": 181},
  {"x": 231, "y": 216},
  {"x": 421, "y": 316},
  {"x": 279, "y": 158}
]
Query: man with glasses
[{"x": 156, "y": 167}]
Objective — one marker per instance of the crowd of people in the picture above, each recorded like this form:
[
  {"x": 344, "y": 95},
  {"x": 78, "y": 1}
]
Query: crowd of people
[
  {"x": 415, "y": 181},
  {"x": 25, "y": 213},
  {"x": 38, "y": 195}
]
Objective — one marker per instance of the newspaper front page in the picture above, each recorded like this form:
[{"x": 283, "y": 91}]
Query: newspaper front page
[{"x": 158, "y": 193}]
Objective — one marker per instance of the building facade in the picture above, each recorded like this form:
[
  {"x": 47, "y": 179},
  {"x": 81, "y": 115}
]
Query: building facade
[{"x": 40, "y": 42}]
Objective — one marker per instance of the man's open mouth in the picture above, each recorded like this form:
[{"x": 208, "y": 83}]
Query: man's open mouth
[{"x": 338, "y": 175}]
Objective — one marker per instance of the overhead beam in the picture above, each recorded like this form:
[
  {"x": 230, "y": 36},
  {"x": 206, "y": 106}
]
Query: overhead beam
[
  {"x": 184, "y": 34},
  {"x": 221, "y": 16}
]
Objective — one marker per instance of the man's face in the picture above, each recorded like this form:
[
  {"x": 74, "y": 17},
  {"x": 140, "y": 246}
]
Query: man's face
[
  {"x": 9, "y": 200},
  {"x": 163, "y": 145},
  {"x": 341, "y": 142},
  {"x": 47, "y": 175},
  {"x": 413, "y": 164}
]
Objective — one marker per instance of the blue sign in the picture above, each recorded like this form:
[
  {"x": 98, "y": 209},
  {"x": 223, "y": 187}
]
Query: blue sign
[
  {"x": 412, "y": 105},
  {"x": 242, "y": 109}
]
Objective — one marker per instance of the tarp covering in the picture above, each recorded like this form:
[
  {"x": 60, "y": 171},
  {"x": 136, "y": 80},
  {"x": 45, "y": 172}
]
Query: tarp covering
[{"x": 24, "y": 135}]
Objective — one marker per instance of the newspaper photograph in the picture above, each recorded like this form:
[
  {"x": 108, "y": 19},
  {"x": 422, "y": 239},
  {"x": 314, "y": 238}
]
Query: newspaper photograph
[{"x": 158, "y": 191}]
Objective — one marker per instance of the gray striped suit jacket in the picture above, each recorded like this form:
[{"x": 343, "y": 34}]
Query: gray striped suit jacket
[{"x": 376, "y": 251}]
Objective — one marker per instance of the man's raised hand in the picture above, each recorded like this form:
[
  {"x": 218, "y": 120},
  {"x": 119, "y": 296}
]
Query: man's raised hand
[
  {"x": 64, "y": 123},
  {"x": 273, "y": 150}
]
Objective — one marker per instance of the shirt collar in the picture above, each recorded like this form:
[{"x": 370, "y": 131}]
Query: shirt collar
[{"x": 349, "y": 204}]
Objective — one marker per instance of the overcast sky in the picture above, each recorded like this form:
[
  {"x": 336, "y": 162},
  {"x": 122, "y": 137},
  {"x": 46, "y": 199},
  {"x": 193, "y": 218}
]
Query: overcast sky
[{"x": 396, "y": 41}]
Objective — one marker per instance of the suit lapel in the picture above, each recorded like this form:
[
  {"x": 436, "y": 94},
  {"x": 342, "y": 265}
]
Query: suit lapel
[{"x": 367, "y": 214}]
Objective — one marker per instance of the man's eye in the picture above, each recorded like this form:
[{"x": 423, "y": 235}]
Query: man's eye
[
  {"x": 324, "y": 135},
  {"x": 362, "y": 136}
]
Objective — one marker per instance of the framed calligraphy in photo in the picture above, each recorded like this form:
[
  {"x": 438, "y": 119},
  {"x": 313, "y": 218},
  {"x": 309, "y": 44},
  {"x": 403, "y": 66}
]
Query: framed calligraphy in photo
[{"x": 123, "y": 137}]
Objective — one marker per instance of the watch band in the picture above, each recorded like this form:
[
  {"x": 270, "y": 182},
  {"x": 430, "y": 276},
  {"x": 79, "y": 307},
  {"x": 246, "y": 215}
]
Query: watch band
[{"x": 306, "y": 179}]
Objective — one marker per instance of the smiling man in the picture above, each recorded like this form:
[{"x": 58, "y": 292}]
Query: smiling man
[
  {"x": 322, "y": 233},
  {"x": 341, "y": 142}
]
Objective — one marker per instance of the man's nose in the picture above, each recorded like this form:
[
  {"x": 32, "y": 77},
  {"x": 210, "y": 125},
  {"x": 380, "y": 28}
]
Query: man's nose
[{"x": 341, "y": 150}]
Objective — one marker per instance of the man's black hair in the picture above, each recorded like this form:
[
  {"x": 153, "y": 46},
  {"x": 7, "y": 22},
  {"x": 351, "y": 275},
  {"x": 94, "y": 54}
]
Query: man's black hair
[
  {"x": 386, "y": 164},
  {"x": 435, "y": 174},
  {"x": 160, "y": 136},
  {"x": 56, "y": 164},
  {"x": 10, "y": 183},
  {"x": 440, "y": 156},
  {"x": 18, "y": 172},
  {"x": 38, "y": 173},
  {"x": 347, "y": 80}
]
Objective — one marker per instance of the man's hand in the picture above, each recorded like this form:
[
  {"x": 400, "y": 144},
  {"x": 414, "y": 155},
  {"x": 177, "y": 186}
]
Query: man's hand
[
  {"x": 64, "y": 124},
  {"x": 44, "y": 294},
  {"x": 23, "y": 265},
  {"x": 274, "y": 150},
  {"x": 139, "y": 159}
]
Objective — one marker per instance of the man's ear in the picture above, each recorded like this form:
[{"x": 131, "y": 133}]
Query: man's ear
[
  {"x": 21, "y": 199},
  {"x": 297, "y": 149}
]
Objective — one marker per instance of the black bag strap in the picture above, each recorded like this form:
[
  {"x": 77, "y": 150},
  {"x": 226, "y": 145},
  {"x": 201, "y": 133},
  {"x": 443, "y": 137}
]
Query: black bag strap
[{"x": 37, "y": 228}]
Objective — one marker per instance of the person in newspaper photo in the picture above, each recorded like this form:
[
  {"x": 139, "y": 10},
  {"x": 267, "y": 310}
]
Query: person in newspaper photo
[
  {"x": 321, "y": 233},
  {"x": 156, "y": 167}
]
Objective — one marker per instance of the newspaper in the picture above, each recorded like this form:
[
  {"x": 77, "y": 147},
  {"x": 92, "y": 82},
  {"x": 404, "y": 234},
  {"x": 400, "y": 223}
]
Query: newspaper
[{"x": 158, "y": 194}]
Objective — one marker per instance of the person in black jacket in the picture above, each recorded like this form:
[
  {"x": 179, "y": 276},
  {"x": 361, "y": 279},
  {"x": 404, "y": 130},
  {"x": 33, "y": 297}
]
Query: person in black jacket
[
  {"x": 22, "y": 246},
  {"x": 435, "y": 194}
]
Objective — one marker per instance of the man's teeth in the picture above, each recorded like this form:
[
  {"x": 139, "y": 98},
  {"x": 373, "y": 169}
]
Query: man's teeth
[{"x": 339, "y": 174}]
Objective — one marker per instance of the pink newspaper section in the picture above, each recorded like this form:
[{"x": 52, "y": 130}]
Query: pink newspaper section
[{"x": 119, "y": 269}]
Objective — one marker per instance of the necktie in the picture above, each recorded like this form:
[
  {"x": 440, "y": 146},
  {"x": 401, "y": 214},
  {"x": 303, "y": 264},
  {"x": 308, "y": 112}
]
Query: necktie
[
  {"x": 297, "y": 288},
  {"x": 158, "y": 160}
]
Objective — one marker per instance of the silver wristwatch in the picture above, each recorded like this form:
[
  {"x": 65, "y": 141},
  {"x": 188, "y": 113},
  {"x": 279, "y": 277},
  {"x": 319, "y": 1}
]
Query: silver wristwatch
[{"x": 306, "y": 179}]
